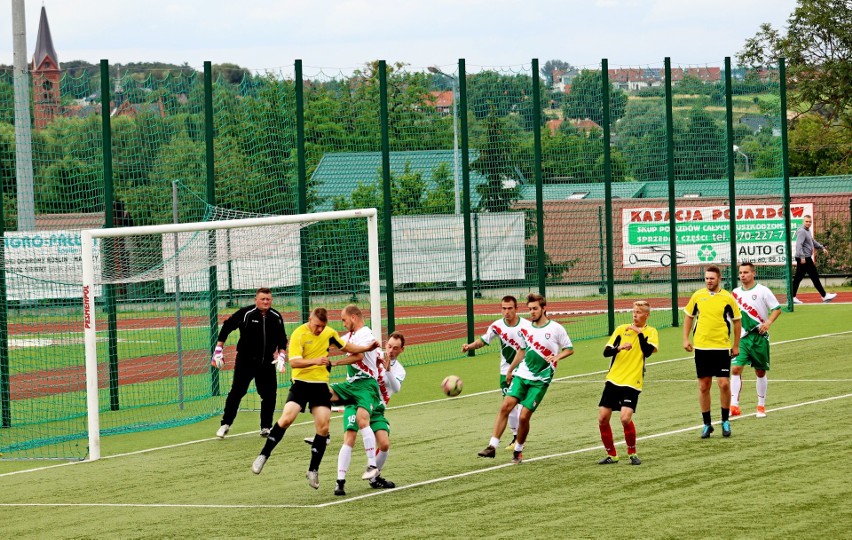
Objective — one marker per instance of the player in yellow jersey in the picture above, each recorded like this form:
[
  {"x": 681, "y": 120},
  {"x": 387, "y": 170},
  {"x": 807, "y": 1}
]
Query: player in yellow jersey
[
  {"x": 310, "y": 368},
  {"x": 629, "y": 346},
  {"x": 716, "y": 311}
]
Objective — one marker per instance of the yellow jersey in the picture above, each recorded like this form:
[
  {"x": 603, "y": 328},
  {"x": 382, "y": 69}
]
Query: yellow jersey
[
  {"x": 628, "y": 366},
  {"x": 715, "y": 312},
  {"x": 304, "y": 344}
]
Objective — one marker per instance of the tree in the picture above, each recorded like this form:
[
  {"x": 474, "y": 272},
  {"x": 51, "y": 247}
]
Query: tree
[
  {"x": 548, "y": 68},
  {"x": 495, "y": 164},
  {"x": 584, "y": 101},
  {"x": 818, "y": 48}
]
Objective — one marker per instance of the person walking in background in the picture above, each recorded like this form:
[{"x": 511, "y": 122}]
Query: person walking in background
[
  {"x": 629, "y": 347},
  {"x": 715, "y": 309},
  {"x": 805, "y": 244},
  {"x": 262, "y": 335},
  {"x": 508, "y": 331},
  {"x": 760, "y": 308}
]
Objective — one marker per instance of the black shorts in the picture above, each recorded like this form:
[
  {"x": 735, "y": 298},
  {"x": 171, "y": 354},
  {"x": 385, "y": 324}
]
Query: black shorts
[
  {"x": 712, "y": 363},
  {"x": 317, "y": 394},
  {"x": 615, "y": 397}
]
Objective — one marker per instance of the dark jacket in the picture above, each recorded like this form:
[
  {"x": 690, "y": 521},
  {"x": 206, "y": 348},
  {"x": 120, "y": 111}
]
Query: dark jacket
[{"x": 260, "y": 335}]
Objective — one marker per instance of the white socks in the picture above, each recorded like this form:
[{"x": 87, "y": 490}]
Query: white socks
[
  {"x": 495, "y": 442},
  {"x": 381, "y": 458},
  {"x": 343, "y": 460},
  {"x": 762, "y": 384},
  {"x": 513, "y": 419},
  {"x": 736, "y": 386},
  {"x": 369, "y": 439}
]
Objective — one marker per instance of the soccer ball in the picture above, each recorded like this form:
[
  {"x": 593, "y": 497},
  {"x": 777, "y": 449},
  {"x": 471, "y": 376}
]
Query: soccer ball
[{"x": 452, "y": 385}]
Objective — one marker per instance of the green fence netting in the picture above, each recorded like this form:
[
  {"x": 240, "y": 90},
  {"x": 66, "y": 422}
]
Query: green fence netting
[{"x": 451, "y": 155}]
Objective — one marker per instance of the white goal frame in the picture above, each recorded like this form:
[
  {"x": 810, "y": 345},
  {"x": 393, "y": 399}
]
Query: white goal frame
[{"x": 87, "y": 239}]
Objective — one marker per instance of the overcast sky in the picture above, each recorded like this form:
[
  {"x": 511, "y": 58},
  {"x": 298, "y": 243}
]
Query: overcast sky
[{"x": 345, "y": 34}]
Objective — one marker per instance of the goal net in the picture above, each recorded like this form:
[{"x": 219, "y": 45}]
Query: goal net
[{"x": 153, "y": 298}]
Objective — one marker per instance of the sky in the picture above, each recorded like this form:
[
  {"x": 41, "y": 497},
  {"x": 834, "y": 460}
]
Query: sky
[{"x": 346, "y": 34}]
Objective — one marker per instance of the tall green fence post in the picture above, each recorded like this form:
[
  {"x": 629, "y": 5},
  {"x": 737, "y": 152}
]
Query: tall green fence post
[
  {"x": 468, "y": 240},
  {"x": 387, "y": 210},
  {"x": 785, "y": 173},
  {"x": 539, "y": 193},
  {"x": 602, "y": 250},
  {"x": 302, "y": 169},
  {"x": 610, "y": 296},
  {"x": 109, "y": 255},
  {"x": 5, "y": 396},
  {"x": 670, "y": 177},
  {"x": 212, "y": 270},
  {"x": 732, "y": 188}
]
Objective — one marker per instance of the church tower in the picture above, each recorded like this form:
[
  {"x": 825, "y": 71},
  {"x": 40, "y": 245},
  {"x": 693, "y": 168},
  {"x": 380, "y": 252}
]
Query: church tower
[{"x": 46, "y": 75}]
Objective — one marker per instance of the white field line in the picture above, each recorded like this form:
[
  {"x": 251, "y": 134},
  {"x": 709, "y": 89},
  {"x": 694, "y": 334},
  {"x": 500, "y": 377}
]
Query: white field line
[
  {"x": 378, "y": 493},
  {"x": 442, "y": 400}
]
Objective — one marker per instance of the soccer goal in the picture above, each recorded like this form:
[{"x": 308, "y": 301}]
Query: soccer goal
[{"x": 153, "y": 297}]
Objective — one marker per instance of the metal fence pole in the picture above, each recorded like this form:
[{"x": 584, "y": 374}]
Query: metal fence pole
[{"x": 670, "y": 176}]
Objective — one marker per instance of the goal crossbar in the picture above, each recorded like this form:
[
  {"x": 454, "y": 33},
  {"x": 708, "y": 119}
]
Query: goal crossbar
[{"x": 87, "y": 239}]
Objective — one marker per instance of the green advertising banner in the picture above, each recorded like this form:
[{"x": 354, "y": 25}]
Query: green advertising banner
[{"x": 703, "y": 235}]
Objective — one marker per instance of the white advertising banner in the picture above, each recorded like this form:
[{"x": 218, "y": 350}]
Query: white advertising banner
[
  {"x": 703, "y": 235},
  {"x": 45, "y": 264},
  {"x": 429, "y": 249}
]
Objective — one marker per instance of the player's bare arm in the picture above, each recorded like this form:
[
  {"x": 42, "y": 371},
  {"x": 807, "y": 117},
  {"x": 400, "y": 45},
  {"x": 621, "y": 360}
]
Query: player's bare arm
[
  {"x": 519, "y": 356},
  {"x": 356, "y": 349},
  {"x": 476, "y": 344},
  {"x": 348, "y": 359},
  {"x": 764, "y": 326},
  {"x": 555, "y": 358},
  {"x": 300, "y": 362},
  {"x": 738, "y": 327},
  {"x": 687, "y": 327}
]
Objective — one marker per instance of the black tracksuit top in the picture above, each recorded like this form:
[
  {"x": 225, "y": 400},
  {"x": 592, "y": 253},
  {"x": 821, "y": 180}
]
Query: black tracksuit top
[{"x": 260, "y": 335}]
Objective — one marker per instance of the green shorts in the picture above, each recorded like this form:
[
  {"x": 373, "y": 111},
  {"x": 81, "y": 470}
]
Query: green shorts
[
  {"x": 378, "y": 422},
  {"x": 504, "y": 386},
  {"x": 754, "y": 351},
  {"x": 362, "y": 393},
  {"x": 528, "y": 393}
]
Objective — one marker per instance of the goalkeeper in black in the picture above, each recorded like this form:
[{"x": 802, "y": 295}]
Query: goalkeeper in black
[{"x": 262, "y": 337}]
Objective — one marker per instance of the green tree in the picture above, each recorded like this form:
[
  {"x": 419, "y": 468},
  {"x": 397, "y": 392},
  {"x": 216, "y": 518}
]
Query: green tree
[
  {"x": 818, "y": 49},
  {"x": 499, "y": 190},
  {"x": 584, "y": 100}
]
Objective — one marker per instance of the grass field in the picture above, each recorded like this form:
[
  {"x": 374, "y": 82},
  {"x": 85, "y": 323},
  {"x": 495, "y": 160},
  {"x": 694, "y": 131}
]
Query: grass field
[{"x": 785, "y": 476}]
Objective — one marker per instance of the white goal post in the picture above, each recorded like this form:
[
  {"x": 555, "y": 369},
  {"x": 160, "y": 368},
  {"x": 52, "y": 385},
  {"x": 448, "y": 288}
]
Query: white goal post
[{"x": 89, "y": 256}]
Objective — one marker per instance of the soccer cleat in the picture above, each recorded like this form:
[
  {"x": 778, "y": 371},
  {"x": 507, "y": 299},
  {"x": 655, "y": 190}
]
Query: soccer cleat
[
  {"x": 609, "y": 460},
  {"x": 797, "y": 301},
  {"x": 381, "y": 483},
  {"x": 339, "y": 490},
  {"x": 511, "y": 445},
  {"x": 705, "y": 433},
  {"x": 726, "y": 428},
  {"x": 829, "y": 297},
  {"x": 761, "y": 411},
  {"x": 489, "y": 451},
  {"x": 634, "y": 459},
  {"x": 258, "y": 464},
  {"x": 223, "y": 430},
  {"x": 313, "y": 479},
  {"x": 517, "y": 457},
  {"x": 735, "y": 410},
  {"x": 264, "y": 432},
  {"x": 371, "y": 472}
]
